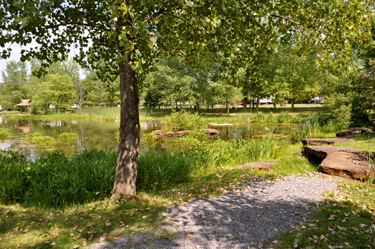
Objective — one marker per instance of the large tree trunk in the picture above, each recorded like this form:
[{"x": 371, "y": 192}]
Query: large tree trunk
[{"x": 128, "y": 149}]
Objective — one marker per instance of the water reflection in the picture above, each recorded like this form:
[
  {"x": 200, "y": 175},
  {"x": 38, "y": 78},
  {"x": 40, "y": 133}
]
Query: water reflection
[{"x": 104, "y": 135}]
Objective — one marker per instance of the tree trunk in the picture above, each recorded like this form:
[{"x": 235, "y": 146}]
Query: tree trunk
[
  {"x": 198, "y": 108},
  {"x": 244, "y": 104},
  {"x": 227, "y": 106},
  {"x": 128, "y": 149},
  {"x": 292, "y": 104},
  {"x": 258, "y": 102}
]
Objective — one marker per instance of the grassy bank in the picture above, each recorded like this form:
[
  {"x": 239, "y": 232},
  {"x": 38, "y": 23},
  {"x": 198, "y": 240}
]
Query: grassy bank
[
  {"x": 65, "y": 202},
  {"x": 58, "y": 202}
]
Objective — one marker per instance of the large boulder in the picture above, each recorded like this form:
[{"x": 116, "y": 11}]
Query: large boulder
[
  {"x": 318, "y": 153},
  {"x": 317, "y": 141},
  {"x": 354, "y": 131},
  {"x": 354, "y": 165},
  {"x": 329, "y": 141}
]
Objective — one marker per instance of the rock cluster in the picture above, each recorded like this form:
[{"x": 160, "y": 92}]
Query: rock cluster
[
  {"x": 341, "y": 161},
  {"x": 160, "y": 133}
]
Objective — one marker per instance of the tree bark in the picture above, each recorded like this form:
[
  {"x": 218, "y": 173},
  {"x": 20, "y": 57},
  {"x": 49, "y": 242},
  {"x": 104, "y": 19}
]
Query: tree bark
[
  {"x": 198, "y": 108},
  {"x": 244, "y": 104},
  {"x": 292, "y": 104},
  {"x": 227, "y": 106},
  {"x": 128, "y": 150},
  {"x": 258, "y": 102}
]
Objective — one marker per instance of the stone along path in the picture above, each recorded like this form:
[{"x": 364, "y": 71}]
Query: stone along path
[{"x": 240, "y": 219}]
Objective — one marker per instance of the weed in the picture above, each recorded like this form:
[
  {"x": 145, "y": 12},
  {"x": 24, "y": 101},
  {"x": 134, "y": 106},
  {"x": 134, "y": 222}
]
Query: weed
[{"x": 4, "y": 133}]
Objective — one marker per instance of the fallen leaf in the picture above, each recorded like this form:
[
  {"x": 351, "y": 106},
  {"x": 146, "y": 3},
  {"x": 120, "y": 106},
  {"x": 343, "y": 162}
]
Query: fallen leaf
[
  {"x": 295, "y": 244},
  {"x": 84, "y": 243},
  {"x": 144, "y": 217},
  {"x": 189, "y": 236},
  {"x": 53, "y": 243},
  {"x": 56, "y": 234},
  {"x": 26, "y": 230},
  {"x": 132, "y": 233},
  {"x": 220, "y": 229},
  {"x": 32, "y": 245},
  {"x": 76, "y": 246},
  {"x": 198, "y": 246},
  {"x": 18, "y": 245},
  {"x": 107, "y": 224}
]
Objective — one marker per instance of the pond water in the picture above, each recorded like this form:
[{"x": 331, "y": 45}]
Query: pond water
[{"x": 104, "y": 135}]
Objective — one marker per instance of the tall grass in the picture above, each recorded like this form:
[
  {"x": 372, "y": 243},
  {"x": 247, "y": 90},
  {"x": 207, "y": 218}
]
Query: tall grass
[
  {"x": 313, "y": 128},
  {"x": 58, "y": 181},
  {"x": 38, "y": 138},
  {"x": 4, "y": 133}
]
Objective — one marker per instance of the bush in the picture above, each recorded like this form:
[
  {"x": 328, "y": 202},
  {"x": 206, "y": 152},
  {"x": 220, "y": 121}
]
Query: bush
[
  {"x": 183, "y": 120},
  {"x": 4, "y": 133},
  {"x": 56, "y": 180},
  {"x": 37, "y": 138},
  {"x": 150, "y": 136},
  {"x": 68, "y": 137},
  {"x": 339, "y": 109}
]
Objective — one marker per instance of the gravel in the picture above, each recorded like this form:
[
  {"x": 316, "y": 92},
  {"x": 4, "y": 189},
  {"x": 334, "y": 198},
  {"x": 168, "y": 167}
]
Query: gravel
[{"x": 240, "y": 219}]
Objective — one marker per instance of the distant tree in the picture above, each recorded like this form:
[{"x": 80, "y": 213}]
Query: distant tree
[
  {"x": 58, "y": 90},
  {"x": 14, "y": 84},
  {"x": 95, "y": 93}
]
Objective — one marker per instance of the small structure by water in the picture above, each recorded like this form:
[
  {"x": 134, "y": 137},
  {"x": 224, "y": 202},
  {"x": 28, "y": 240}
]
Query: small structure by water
[{"x": 25, "y": 103}]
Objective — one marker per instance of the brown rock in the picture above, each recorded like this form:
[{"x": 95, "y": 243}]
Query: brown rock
[
  {"x": 211, "y": 131},
  {"x": 354, "y": 131},
  {"x": 317, "y": 141},
  {"x": 169, "y": 134},
  {"x": 354, "y": 165},
  {"x": 181, "y": 133},
  {"x": 260, "y": 165},
  {"x": 158, "y": 133},
  {"x": 298, "y": 153},
  {"x": 318, "y": 153}
]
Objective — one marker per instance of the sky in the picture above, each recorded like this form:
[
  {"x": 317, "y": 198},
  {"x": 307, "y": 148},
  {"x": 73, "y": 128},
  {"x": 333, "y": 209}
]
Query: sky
[{"x": 16, "y": 55}]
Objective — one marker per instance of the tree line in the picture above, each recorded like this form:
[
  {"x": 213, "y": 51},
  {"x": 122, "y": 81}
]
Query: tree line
[{"x": 61, "y": 87}]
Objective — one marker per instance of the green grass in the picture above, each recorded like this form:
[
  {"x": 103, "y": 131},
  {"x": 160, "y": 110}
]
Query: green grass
[
  {"x": 38, "y": 138},
  {"x": 68, "y": 137},
  {"x": 345, "y": 219},
  {"x": 4, "y": 133}
]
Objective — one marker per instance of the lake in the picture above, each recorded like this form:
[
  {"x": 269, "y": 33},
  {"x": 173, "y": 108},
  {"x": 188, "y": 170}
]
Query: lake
[{"x": 104, "y": 135}]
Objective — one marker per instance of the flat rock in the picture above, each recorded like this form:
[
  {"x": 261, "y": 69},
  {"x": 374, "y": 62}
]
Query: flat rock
[
  {"x": 181, "y": 133},
  {"x": 218, "y": 125},
  {"x": 318, "y": 153},
  {"x": 260, "y": 165},
  {"x": 355, "y": 165},
  {"x": 329, "y": 141},
  {"x": 354, "y": 131},
  {"x": 317, "y": 141},
  {"x": 210, "y": 131},
  {"x": 170, "y": 134},
  {"x": 158, "y": 132}
]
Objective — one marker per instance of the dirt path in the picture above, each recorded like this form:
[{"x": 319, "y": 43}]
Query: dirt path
[{"x": 242, "y": 219}]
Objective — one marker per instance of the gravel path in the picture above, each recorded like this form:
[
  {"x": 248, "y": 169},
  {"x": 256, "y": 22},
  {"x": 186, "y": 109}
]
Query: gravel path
[{"x": 237, "y": 220}]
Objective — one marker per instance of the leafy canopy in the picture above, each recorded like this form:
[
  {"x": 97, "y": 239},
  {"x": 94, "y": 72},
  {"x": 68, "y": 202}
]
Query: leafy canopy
[{"x": 139, "y": 31}]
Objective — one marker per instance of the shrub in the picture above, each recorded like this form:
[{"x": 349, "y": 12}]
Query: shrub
[
  {"x": 183, "y": 120},
  {"x": 37, "y": 138},
  {"x": 150, "y": 136},
  {"x": 339, "y": 109},
  {"x": 66, "y": 136},
  {"x": 4, "y": 133}
]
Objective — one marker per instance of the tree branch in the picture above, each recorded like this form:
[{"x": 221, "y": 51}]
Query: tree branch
[{"x": 79, "y": 24}]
